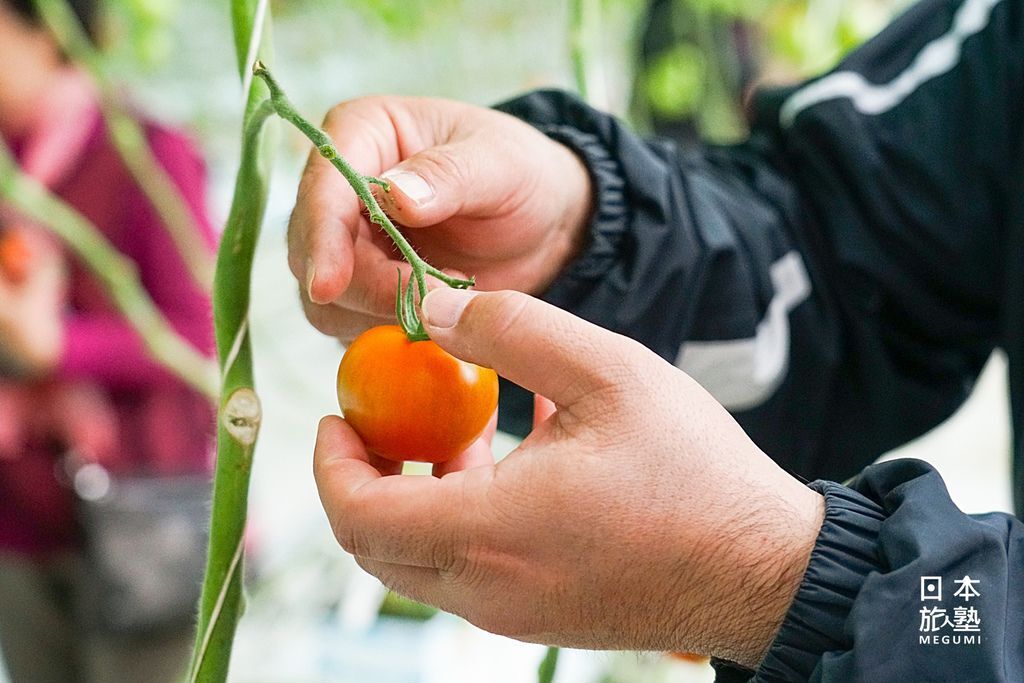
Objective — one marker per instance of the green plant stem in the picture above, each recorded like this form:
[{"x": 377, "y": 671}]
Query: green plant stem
[
  {"x": 577, "y": 45},
  {"x": 360, "y": 184},
  {"x": 548, "y": 666},
  {"x": 131, "y": 143},
  {"x": 239, "y": 416},
  {"x": 221, "y": 601},
  {"x": 584, "y": 51},
  {"x": 113, "y": 270}
]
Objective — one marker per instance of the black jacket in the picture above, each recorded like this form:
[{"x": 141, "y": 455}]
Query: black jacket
[{"x": 838, "y": 281}]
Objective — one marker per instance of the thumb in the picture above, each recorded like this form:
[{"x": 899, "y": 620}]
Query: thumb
[
  {"x": 539, "y": 347},
  {"x": 438, "y": 183}
]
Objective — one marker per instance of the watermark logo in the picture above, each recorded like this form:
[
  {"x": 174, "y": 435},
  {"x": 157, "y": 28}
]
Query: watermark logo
[
  {"x": 966, "y": 589},
  {"x": 931, "y": 588},
  {"x": 941, "y": 626}
]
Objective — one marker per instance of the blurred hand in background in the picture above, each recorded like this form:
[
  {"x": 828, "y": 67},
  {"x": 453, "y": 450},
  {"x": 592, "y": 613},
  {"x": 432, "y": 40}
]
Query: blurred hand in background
[{"x": 32, "y": 294}]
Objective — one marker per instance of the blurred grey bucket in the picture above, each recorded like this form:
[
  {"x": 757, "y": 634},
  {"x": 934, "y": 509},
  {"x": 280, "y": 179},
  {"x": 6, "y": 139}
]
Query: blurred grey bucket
[{"x": 145, "y": 548}]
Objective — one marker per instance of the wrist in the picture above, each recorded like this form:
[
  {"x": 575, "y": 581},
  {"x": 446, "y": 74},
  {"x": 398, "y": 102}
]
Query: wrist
[
  {"x": 570, "y": 233},
  {"x": 766, "y": 570},
  {"x": 846, "y": 553}
]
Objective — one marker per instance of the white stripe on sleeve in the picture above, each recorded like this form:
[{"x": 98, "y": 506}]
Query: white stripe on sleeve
[
  {"x": 938, "y": 57},
  {"x": 744, "y": 373}
]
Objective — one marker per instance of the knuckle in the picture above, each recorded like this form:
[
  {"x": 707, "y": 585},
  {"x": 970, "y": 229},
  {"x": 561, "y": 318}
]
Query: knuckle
[
  {"x": 297, "y": 264},
  {"x": 370, "y": 110},
  {"x": 444, "y": 167},
  {"x": 375, "y": 295},
  {"x": 349, "y": 532},
  {"x": 494, "y": 621},
  {"x": 624, "y": 365},
  {"x": 327, "y": 319},
  {"x": 315, "y": 314},
  {"x": 495, "y": 616},
  {"x": 346, "y": 536},
  {"x": 499, "y": 313},
  {"x": 615, "y": 377},
  {"x": 451, "y": 563},
  {"x": 336, "y": 115},
  {"x": 452, "y": 553},
  {"x": 458, "y": 555}
]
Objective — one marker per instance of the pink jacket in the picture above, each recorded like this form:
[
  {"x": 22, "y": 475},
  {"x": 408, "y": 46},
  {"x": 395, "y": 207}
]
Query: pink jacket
[{"x": 107, "y": 394}]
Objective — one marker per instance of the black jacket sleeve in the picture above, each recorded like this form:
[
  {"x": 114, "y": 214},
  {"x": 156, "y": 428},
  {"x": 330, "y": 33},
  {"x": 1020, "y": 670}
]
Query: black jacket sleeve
[
  {"x": 902, "y": 586},
  {"x": 837, "y": 280}
]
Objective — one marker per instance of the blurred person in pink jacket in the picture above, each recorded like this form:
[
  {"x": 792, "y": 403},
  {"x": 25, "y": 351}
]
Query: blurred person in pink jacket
[{"x": 74, "y": 375}]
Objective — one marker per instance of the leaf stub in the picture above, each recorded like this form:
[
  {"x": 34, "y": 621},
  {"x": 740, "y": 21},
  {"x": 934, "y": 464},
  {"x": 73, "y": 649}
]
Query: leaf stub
[{"x": 242, "y": 416}]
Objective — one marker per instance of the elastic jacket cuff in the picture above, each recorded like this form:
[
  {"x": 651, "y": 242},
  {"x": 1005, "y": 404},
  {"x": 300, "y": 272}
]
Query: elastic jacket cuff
[
  {"x": 610, "y": 218},
  {"x": 845, "y": 553}
]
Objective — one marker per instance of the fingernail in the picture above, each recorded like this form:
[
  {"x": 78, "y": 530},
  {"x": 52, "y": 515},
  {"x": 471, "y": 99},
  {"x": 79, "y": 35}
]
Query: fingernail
[
  {"x": 442, "y": 307},
  {"x": 310, "y": 276},
  {"x": 412, "y": 185}
]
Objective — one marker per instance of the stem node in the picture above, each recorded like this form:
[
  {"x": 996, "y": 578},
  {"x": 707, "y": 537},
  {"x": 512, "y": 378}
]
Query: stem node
[{"x": 242, "y": 416}]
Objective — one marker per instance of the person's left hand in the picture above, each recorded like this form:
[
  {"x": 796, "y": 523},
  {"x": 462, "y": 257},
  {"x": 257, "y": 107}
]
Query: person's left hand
[
  {"x": 637, "y": 516},
  {"x": 31, "y": 324}
]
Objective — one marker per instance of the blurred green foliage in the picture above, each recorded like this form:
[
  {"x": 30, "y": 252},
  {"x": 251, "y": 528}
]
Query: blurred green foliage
[
  {"x": 675, "y": 79},
  {"x": 400, "y": 16},
  {"x": 139, "y": 30},
  {"x": 716, "y": 49},
  {"x": 693, "y": 58}
]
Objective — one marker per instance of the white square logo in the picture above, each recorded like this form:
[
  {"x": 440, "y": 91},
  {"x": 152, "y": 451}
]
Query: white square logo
[{"x": 931, "y": 588}]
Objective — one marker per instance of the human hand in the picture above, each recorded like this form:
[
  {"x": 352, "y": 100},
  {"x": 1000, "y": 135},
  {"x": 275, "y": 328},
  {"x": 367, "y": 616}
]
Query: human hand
[
  {"x": 637, "y": 516},
  {"x": 13, "y": 416},
  {"x": 83, "y": 418},
  {"x": 478, "y": 192},
  {"x": 31, "y": 325}
]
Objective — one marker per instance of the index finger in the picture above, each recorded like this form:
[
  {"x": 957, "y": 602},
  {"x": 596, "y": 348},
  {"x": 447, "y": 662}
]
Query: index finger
[
  {"x": 322, "y": 230},
  {"x": 328, "y": 215},
  {"x": 409, "y": 520}
]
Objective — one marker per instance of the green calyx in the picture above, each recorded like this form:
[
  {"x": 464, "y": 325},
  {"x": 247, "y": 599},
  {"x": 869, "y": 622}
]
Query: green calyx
[{"x": 405, "y": 312}]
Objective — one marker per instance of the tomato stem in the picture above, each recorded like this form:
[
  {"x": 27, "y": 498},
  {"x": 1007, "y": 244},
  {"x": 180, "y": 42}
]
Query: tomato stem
[{"x": 405, "y": 307}]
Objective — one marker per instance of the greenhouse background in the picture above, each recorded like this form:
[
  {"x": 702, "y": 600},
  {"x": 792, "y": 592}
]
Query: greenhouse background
[{"x": 312, "y": 615}]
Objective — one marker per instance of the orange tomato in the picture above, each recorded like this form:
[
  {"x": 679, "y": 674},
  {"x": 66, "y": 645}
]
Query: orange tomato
[
  {"x": 15, "y": 256},
  {"x": 413, "y": 400}
]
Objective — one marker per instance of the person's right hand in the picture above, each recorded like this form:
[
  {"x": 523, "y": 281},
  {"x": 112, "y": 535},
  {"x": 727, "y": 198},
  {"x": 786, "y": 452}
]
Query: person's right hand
[
  {"x": 637, "y": 515},
  {"x": 476, "y": 191}
]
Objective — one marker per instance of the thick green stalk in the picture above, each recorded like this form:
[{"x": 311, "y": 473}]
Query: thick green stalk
[
  {"x": 131, "y": 144},
  {"x": 239, "y": 417},
  {"x": 113, "y": 270}
]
